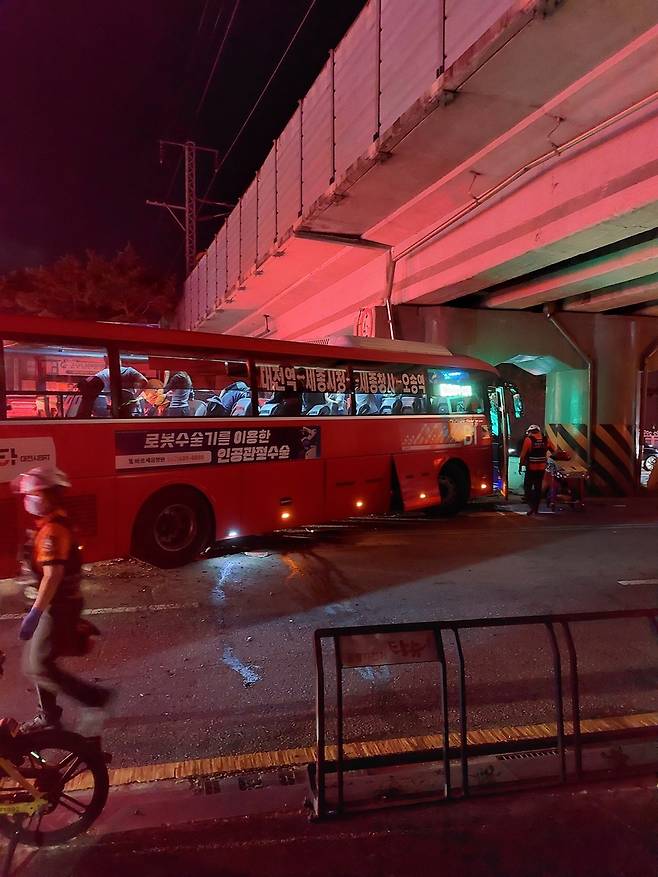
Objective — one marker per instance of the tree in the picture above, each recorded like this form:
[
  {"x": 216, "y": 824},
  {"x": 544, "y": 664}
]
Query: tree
[{"x": 123, "y": 288}]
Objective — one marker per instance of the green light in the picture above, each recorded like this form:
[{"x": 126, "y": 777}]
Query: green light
[{"x": 448, "y": 390}]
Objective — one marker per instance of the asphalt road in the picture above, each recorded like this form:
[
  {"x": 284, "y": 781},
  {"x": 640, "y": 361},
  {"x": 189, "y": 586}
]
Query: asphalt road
[{"x": 217, "y": 658}]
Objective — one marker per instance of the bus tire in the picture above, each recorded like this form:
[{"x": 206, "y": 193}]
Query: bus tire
[
  {"x": 173, "y": 527},
  {"x": 454, "y": 488}
]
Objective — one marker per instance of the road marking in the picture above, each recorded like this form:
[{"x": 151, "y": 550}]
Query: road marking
[
  {"x": 119, "y": 610},
  {"x": 638, "y": 582},
  {"x": 249, "y": 675},
  {"x": 234, "y": 764}
]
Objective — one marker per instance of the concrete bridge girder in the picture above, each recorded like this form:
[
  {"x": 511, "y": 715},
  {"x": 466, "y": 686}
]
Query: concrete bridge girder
[
  {"x": 643, "y": 289},
  {"x": 444, "y": 156},
  {"x": 603, "y": 194}
]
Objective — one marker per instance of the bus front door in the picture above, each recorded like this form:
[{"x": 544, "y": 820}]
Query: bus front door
[{"x": 499, "y": 439}]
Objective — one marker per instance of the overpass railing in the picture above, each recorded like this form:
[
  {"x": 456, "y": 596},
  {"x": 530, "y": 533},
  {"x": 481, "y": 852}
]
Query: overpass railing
[{"x": 387, "y": 62}]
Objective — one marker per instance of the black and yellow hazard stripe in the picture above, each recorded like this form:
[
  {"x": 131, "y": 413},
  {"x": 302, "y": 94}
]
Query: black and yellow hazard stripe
[
  {"x": 236, "y": 764},
  {"x": 613, "y": 456},
  {"x": 613, "y": 459},
  {"x": 569, "y": 437}
]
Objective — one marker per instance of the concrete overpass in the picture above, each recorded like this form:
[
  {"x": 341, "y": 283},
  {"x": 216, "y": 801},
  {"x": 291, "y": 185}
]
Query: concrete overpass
[{"x": 487, "y": 156}]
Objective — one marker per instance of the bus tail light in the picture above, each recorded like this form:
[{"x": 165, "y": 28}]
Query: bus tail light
[
  {"x": 422, "y": 495},
  {"x": 359, "y": 503},
  {"x": 484, "y": 486},
  {"x": 285, "y": 501}
]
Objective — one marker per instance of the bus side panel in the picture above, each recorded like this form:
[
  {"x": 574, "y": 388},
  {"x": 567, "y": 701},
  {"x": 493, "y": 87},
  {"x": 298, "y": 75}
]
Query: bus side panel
[
  {"x": 478, "y": 461},
  {"x": 222, "y": 487},
  {"x": 83, "y": 453},
  {"x": 245, "y": 498},
  {"x": 279, "y": 495},
  {"x": 418, "y": 473},
  {"x": 357, "y": 486}
]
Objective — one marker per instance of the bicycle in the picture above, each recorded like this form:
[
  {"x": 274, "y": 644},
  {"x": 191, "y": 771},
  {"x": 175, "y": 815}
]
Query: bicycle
[{"x": 53, "y": 785}]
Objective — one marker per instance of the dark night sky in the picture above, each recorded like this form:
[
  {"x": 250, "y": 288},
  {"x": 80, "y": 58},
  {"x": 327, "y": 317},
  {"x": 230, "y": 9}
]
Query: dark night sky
[{"x": 88, "y": 86}]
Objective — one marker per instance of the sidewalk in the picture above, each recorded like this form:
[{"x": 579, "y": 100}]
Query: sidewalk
[{"x": 246, "y": 825}]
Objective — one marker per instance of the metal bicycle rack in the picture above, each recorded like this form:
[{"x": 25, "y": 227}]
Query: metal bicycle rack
[{"x": 389, "y": 644}]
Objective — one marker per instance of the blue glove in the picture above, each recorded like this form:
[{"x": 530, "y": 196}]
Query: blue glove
[{"x": 30, "y": 622}]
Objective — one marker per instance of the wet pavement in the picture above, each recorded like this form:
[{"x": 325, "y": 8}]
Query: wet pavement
[{"x": 217, "y": 658}]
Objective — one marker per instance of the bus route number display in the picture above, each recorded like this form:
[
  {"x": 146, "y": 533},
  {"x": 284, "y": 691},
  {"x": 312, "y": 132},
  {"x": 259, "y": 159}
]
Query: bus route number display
[{"x": 153, "y": 449}]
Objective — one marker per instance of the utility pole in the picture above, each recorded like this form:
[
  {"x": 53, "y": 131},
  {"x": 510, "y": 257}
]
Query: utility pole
[
  {"x": 190, "y": 203},
  {"x": 191, "y": 209}
]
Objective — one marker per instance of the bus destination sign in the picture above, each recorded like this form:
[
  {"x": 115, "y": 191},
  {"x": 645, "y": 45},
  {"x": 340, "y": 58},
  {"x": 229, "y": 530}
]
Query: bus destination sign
[
  {"x": 153, "y": 449},
  {"x": 301, "y": 379}
]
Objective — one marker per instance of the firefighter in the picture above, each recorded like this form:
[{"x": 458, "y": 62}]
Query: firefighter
[
  {"x": 53, "y": 626},
  {"x": 533, "y": 458}
]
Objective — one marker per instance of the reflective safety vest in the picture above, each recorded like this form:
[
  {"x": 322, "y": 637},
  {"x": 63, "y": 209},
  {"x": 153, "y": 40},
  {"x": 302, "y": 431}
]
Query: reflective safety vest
[
  {"x": 53, "y": 543},
  {"x": 535, "y": 458}
]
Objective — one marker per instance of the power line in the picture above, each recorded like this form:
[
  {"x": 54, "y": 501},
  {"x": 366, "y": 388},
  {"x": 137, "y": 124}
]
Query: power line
[
  {"x": 217, "y": 57},
  {"x": 175, "y": 117},
  {"x": 260, "y": 96},
  {"x": 179, "y": 161}
]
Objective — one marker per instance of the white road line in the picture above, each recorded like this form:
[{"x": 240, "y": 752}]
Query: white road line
[
  {"x": 119, "y": 610},
  {"x": 638, "y": 582}
]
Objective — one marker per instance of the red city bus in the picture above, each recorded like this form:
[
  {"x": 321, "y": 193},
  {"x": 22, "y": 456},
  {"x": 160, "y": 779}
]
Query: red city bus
[{"x": 176, "y": 440}]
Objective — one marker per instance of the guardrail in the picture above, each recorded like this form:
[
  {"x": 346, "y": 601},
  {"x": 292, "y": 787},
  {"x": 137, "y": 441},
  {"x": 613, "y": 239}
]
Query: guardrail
[{"x": 423, "y": 642}]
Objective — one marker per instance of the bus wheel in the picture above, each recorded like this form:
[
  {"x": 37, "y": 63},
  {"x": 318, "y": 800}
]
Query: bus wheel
[
  {"x": 454, "y": 489},
  {"x": 173, "y": 527}
]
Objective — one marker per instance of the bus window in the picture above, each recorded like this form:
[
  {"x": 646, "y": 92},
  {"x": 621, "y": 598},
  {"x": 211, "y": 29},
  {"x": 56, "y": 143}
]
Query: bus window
[
  {"x": 286, "y": 390},
  {"x": 390, "y": 389},
  {"x": 454, "y": 391},
  {"x": 182, "y": 384},
  {"x": 52, "y": 381}
]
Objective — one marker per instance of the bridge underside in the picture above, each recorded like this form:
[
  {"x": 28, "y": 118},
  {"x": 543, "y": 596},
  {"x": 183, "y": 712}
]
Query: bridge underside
[
  {"x": 527, "y": 175},
  {"x": 523, "y": 185}
]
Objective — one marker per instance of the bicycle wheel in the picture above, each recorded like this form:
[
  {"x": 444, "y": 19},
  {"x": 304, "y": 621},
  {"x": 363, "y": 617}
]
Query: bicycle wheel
[{"x": 70, "y": 773}]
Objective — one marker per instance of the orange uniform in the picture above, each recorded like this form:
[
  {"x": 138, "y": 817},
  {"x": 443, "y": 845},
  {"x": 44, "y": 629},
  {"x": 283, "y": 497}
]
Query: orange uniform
[{"x": 54, "y": 545}]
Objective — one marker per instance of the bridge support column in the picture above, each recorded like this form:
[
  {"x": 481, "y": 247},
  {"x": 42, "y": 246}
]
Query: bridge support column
[
  {"x": 616, "y": 345},
  {"x": 566, "y": 411}
]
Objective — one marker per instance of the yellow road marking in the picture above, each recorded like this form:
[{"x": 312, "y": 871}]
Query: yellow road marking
[{"x": 233, "y": 764}]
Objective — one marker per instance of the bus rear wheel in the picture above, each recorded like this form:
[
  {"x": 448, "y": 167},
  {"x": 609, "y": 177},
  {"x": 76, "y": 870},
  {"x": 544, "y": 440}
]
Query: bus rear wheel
[
  {"x": 454, "y": 489},
  {"x": 173, "y": 527}
]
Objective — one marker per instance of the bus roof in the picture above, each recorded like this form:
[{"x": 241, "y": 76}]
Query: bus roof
[{"x": 78, "y": 331}]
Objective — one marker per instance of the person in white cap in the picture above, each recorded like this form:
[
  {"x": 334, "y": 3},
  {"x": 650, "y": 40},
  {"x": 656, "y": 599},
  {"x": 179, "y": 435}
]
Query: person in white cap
[
  {"x": 533, "y": 458},
  {"x": 52, "y": 626}
]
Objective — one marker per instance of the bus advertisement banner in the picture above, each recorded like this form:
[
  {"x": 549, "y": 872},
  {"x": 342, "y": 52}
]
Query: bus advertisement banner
[
  {"x": 155, "y": 448},
  {"x": 17, "y": 455}
]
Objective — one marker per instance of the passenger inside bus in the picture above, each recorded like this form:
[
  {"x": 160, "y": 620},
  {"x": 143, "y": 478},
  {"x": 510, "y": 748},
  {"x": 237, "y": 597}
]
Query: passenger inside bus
[
  {"x": 315, "y": 405},
  {"x": 236, "y": 399},
  {"x": 368, "y": 403},
  {"x": 180, "y": 393},
  {"x": 282, "y": 403},
  {"x": 132, "y": 383},
  {"x": 89, "y": 390},
  {"x": 154, "y": 400}
]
